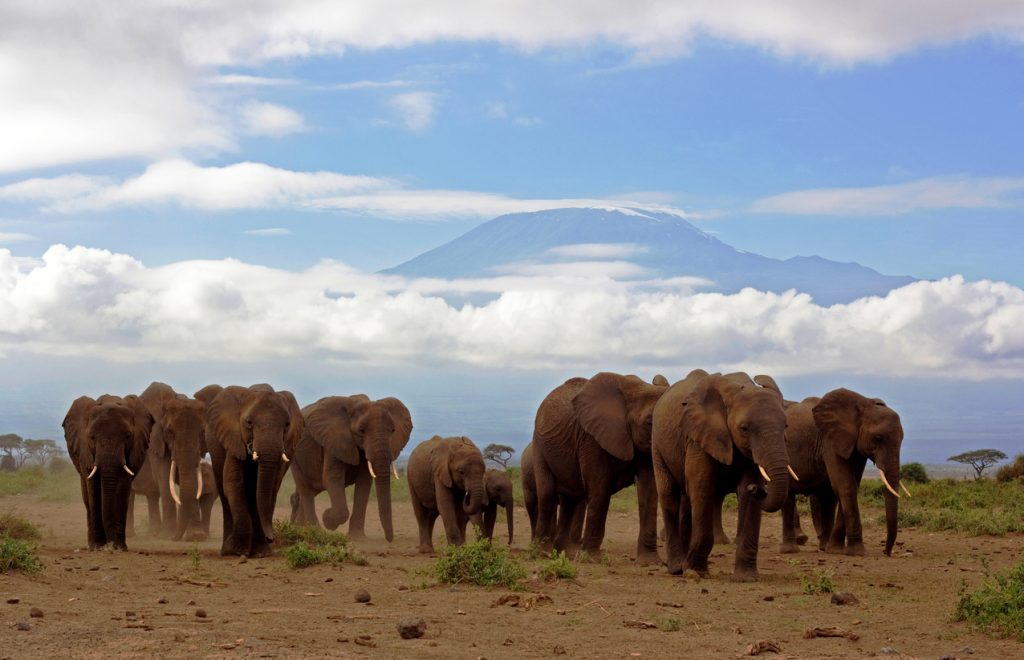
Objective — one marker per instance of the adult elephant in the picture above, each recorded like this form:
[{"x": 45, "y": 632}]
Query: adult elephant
[
  {"x": 446, "y": 478},
  {"x": 499, "y": 493},
  {"x": 206, "y": 497},
  {"x": 107, "y": 440},
  {"x": 181, "y": 428},
  {"x": 144, "y": 484},
  {"x": 349, "y": 440},
  {"x": 592, "y": 438},
  {"x": 529, "y": 483},
  {"x": 158, "y": 458},
  {"x": 251, "y": 433},
  {"x": 713, "y": 435},
  {"x": 852, "y": 429}
]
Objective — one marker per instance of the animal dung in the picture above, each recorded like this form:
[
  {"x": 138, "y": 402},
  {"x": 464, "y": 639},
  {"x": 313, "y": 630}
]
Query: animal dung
[
  {"x": 35, "y": 613},
  {"x": 362, "y": 596},
  {"x": 412, "y": 627}
]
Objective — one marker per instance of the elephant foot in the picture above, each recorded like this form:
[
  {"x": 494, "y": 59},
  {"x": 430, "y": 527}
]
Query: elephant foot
[
  {"x": 229, "y": 548},
  {"x": 333, "y": 518},
  {"x": 745, "y": 575},
  {"x": 261, "y": 550},
  {"x": 789, "y": 547},
  {"x": 855, "y": 549},
  {"x": 648, "y": 558},
  {"x": 425, "y": 548},
  {"x": 722, "y": 539},
  {"x": 703, "y": 573},
  {"x": 675, "y": 567},
  {"x": 835, "y": 549},
  {"x": 801, "y": 539},
  {"x": 357, "y": 534}
]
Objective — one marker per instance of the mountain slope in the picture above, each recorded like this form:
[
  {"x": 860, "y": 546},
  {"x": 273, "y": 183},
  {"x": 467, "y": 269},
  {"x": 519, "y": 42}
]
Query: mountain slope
[{"x": 662, "y": 244}]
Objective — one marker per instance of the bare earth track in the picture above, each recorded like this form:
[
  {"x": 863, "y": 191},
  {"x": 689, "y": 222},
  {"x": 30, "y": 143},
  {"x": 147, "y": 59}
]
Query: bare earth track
[{"x": 146, "y": 602}]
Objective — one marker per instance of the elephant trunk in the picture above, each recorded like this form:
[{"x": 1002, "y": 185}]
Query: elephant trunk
[
  {"x": 508, "y": 517},
  {"x": 266, "y": 493},
  {"x": 188, "y": 513},
  {"x": 382, "y": 484},
  {"x": 891, "y": 475},
  {"x": 475, "y": 499},
  {"x": 112, "y": 518},
  {"x": 774, "y": 465}
]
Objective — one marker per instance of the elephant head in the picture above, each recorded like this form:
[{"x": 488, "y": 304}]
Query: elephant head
[
  {"x": 617, "y": 411},
  {"x": 459, "y": 464},
  {"x": 182, "y": 430},
  {"x": 725, "y": 416},
  {"x": 354, "y": 428},
  {"x": 256, "y": 424},
  {"x": 848, "y": 422}
]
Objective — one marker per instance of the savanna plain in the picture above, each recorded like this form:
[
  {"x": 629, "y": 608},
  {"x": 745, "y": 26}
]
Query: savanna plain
[{"x": 172, "y": 599}]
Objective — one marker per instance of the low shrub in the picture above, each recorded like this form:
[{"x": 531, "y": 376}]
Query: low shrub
[
  {"x": 286, "y": 533},
  {"x": 818, "y": 583},
  {"x": 18, "y": 555},
  {"x": 997, "y": 605},
  {"x": 307, "y": 545},
  {"x": 478, "y": 562},
  {"x": 982, "y": 507},
  {"x": 913, "y": 473},
  {"x": 16, "y": 527},
  {"x": 558, "y": 567},
  {"x": 1011, "y": 471}
]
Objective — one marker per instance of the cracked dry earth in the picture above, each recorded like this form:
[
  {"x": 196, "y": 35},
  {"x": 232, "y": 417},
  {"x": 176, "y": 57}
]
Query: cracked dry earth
[{"x": 157, "y": 601}]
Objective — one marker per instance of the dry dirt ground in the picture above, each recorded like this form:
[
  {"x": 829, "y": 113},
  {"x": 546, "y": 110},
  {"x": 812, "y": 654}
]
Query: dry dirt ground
[{"x": 147, "y": 601}]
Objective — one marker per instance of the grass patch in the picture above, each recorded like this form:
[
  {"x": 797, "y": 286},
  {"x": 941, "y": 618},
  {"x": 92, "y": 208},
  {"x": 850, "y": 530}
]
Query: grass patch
[
  {"x": 19, "y": 555},
  {"x": 478, "y": 562},
  {"x": 818, "y": 583},
  {"x": 997, "y": 605},
  {"x": 558, "y": 567},
  {"x": 977, "y": 508},
  {"x": 670, "y": 625},
  {"x": 308, "y": 545},
  {"x": 16, "y": 527},
  {"x": 50, "y": 485}
]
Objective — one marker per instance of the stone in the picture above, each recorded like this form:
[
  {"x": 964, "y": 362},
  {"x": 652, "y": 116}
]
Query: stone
[
  {"x": 362, "y": 596},
  {"x": 844, "y": 598},
  {"x": 35, "y": 613},
  {"x": 201, "y": 613},
  {"x": 13, "y": 601},
  {"x": 888, "y": 650},
  {"x": 23, "y": 626},
  {"x": 411, "y": 627}
]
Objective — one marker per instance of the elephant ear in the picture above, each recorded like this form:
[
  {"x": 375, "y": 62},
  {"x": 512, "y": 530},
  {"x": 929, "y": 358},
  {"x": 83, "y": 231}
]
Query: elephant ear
[
  {"x": 296, "y": 423},
  {"x": 768, "y": 383},
  {"x": 144, "y": 425},
  {"x": 224, "y": 421},
  {"x": 403, "y": 424},
  {"x": 837, "y": 417},
  {"x": 704, "y": 418},
  {"x": 207, "y": 394},
  {"x": 440, "y": 462},
  {"x": 601, "y": 410},
  {"x": 328, "y": 423},
  {"x": 660, "y": 380},
  {"x": 74, "y": 425}
]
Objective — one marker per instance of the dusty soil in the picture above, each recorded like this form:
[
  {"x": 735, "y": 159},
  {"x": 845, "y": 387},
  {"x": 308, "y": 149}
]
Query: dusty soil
[{"x": 146, "y": 601}]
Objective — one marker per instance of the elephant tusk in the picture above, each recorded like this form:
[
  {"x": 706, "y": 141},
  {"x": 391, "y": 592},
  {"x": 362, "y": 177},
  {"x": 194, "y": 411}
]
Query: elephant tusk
[
  {"x": 255, "y": 456},
  {"x": 791, "y": 473},
  {"x": 199, "y": 477},
  {"x": 764, "y": 473},
  {"x": 372, "y": 473},
  {"x": 395, "y": 470},
  {"x": 905, "y": 489},
  {"x": 284, "y": 457},
  {"x": 92, "y": 473},
  {"x": 128, "y": 470},
  {"x": 886, "y": 482},
  {"x": 170, "y": 484}
]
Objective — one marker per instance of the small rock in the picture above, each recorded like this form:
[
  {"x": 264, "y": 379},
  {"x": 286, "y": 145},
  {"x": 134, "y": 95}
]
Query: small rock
[
  {"x": 129, "y": 614},
  {"x": 704, "y": 591},
  {"x": 508, "y": 642},
  {"x": 23, "y": 626},
  {"x": 13, "y": 601},
  {"x": 362, "y": 596},
  {"x": 559, "y": 650},
  {"x": 411, "y": 627},
  {"x": 403, "y": 587},
  {"x": 453, "y": 589},
  {"x": 947, "y": 657},
  {"x": 94, "y": 568},
  {"x": 328, "y": 579},
  {"x": 243, "y": 560},
  {"x": 191, "y": 602},
  {"x": 768, "y": 598},
  {"x": 163, "y": 600},
  {"x": 968, "y": 650},
  {"x": 888, "y": 650},
  {"x": 201, "y": 613},
  {"x": 844, "y": 598},
  {"x": 35, "y": 613}
]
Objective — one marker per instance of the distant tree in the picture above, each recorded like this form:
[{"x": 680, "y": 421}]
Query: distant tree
[
  {"x": 499, "y": 454},
  {"x": 914, "y": 473},
  {"x": 1014, "y": 470},
  {"x": 13, "y": 447},
  {"x": 41, "y": 451},
  {"x": 979, "y": 459}
]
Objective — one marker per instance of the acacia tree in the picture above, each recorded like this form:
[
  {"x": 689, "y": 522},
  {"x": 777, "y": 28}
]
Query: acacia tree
[
  {"x": 14, "y": 450},
  {"x": 41, "y": 451},
  {"x": 979, "y": 459},
  {"x": 499, "y": 454}
]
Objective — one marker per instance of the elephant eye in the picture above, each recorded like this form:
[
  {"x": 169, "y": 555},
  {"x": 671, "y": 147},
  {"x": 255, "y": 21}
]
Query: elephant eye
[
  {"x": 287, "y": 423},
  {"x": 878, "y": 437},
  {"x": 248, "y": 422},
  {"x": 744, "y": 427}
]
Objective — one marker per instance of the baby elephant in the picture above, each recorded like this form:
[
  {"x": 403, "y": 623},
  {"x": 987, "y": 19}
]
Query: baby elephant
[
  {"x": 446, "y": 478},
  {"x": 499, "y": 493}
]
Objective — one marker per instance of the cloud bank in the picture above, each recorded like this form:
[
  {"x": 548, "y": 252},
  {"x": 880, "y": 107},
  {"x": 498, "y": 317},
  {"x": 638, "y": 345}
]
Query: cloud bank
[{"x": 86, "y": 302}]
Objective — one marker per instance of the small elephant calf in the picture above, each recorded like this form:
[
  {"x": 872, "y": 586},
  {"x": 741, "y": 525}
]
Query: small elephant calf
[
  {"x": 499, "y": 493},
  {"x": 446, "y": 478}
]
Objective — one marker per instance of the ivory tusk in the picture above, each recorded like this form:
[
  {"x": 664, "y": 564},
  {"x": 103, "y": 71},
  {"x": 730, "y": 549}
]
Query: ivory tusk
[
  {"x": 886, "y": 482},
  {"x": 128, "y": 470},
  {"x": 284, "y": 457},
  {"x": 372, "y": 473},
  {"x": 791, "y": 473},
  {"x": 905, "y": 489},
  {"x": 199, "y": 477},
  {"x": 764, "y": 473},
  {"x": 255, "y": 456},
  {"x": 395, "y": 470},
  {"x": 92, "y": 473},
  {"x": 170, "y": 484}
]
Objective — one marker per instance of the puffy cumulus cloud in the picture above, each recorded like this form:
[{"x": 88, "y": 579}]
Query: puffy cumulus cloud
[
  {"x": 80, "y": 301},
  {"x": 261, "y": 118},
  {"x": 925, "y": 194}
]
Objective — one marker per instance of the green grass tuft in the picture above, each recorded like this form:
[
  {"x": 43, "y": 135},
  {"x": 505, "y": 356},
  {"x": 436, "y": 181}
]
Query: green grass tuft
[
  {"x": 670, "y": 625},
  {"x": 558, "y": 567},
  {"x": 819, "y": 583},
  {"x": 478, "y": 562},
  {"x": 997, "y": 605},
  {"x": 18, "y": 555},
  {"x": 307, "y": 545},
  {"x": 16, "y": 527}
]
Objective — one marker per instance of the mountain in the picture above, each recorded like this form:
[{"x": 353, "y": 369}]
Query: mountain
[{"x": 640, "y": 244}]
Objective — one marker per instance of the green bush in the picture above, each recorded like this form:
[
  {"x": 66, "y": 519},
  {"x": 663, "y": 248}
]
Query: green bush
[
  {"x": 1012, "y": 471},
  {"x": 914, "y": 473},
  {"x": 16, "y": 527},
  {"x": 997, "y": 605},
  {"x": 18, "y": 555},
  {"x": 307, "y": 545},
  {"x": 301, "y": 555},
  {"x": 478, "y": 562},
  {"x": 558, "y": 567},
  {"x": 286, "y": 533},
  {"x": 819, "y": 583}
]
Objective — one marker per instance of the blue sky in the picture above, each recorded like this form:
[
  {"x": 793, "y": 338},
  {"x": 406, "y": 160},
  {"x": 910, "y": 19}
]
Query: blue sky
[{"x": 264, "y": 138}]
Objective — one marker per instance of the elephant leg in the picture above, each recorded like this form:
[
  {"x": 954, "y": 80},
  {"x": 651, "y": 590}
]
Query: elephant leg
[
  {"x": 448, "y": 507},
  {"x": 490, "y": 517},
  {"x": 568, "y": 511},
  {"x": 97, "y": 534},
  {"x": 669, "y": 499},
  {"x": 798, "y": 532},
  {"x": 205, "y": 509},
  {"x": 837, "y": 539},
  {"x": 153, "y": 505},
  {"x": 335, "y": 477},
  {"x": 129, "y": 523},
  {"x": 789, "y": 543},
  {"x": 295, "y": 517},
  {"x": 237, "y": 504},
  {"x": 124, "y": 496},
  {"x": 597, "y": 517},
  {"x": 748, "y": 530},
  {"x": 848, "y": 522},
  {"x": 425, "y": 523},
  {"x": 357, "y": 523},
  {"x": 720, "y": 536},
  {"x": 702, "y": 537},
  {"x": 547, "y": 505},
  {"x": 307, "y": 507},
  {"x": 823, "y": 510},
  {"x": 647, "y": 499},
  {"x": 579, "y": 517}
]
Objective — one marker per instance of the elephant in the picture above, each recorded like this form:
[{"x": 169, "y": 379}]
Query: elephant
[
  {"x": 144, "y": 484},
  {"x": 158, "y": 459},
  {"x": 712, "y": 435},
  {"x": 251, "y": 433},
  {"x": 499, "y": 493},
  {"x": 107, "y": 440},
  {"x": 182, "y": 428},
  {"x": 530, "y": 499},
  {"x": 349, "y": 440},
  {"x": 592, "y": 438},
  {"x": 446, "y": 478},
  {"x": 851, "y": 429},
  {"x": 206, "y": 497}
]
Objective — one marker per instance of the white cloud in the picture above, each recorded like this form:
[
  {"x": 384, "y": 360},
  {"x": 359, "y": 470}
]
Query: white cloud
[
  {"x": 527, "y": 121},
  {"x": 924, "y": 194},
  {"x": 366, "y": 84},
  {"x": 269, "y": 231},
  {"x": 416, "y": 109},
  {"x": 261, "y": 118},
  {"x": 39, "y": 189},
  {"x": 81, "y": 301},
  {"x": 241, "y": 80},
  {"x": 14, "y": 237}
]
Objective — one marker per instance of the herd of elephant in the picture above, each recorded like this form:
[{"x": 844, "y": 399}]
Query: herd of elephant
[{"x": 685, "y": 446}]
